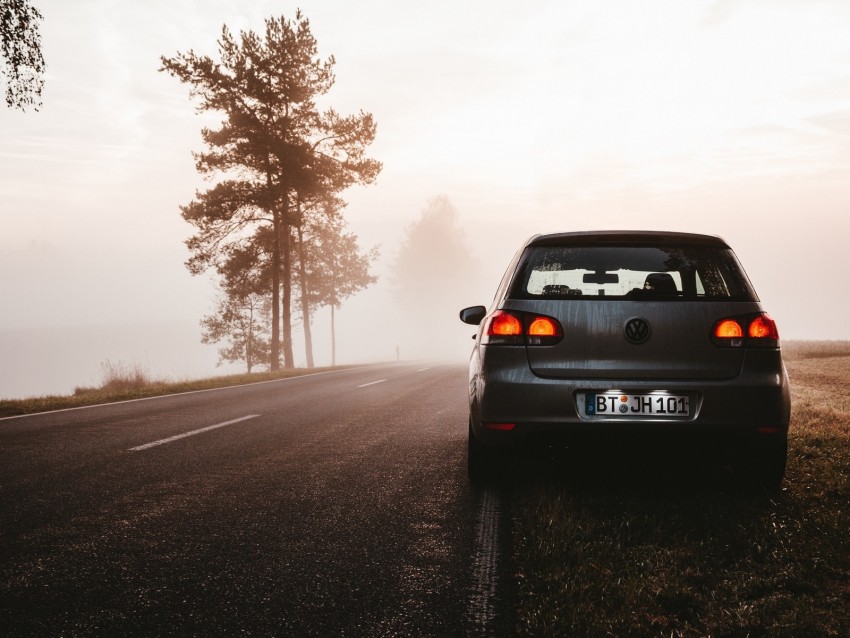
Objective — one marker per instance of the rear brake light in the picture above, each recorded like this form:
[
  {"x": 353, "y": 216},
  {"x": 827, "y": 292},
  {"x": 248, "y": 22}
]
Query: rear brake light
[
  {"x": 763, "y": 327},
  {"x": 760, "y": 331},
  {"x": 503, "y": 324},
  {"x": 544, "y": 331},
  {"x": 543, "y": 327},
  {"x": 728, "y": 329}
]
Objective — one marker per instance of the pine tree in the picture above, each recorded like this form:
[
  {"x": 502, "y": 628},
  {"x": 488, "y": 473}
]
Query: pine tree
[{"x": 273, "y": 144}]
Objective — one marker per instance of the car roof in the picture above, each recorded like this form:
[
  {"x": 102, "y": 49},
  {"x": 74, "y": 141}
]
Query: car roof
[{"x": 626, "y": 238}]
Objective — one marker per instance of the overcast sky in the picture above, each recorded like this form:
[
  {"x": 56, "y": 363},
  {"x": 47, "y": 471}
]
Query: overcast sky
[{"x": 725, "y": 117}]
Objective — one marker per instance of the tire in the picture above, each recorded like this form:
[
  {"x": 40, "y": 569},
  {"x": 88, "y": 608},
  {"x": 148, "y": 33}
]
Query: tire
[{"x": 483, "y": 464}]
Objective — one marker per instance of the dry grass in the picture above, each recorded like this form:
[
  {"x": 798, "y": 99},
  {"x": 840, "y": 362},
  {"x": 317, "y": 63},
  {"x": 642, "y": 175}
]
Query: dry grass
[
  {"x": 796, "y": 350},
  {"x": 120, "y": 377},
  {"x": 701, "y": 558}
]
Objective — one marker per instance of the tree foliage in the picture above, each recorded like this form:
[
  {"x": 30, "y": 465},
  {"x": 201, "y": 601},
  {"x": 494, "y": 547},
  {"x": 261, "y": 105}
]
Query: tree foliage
[
  {"x": 433, "y": 255},
  {"x": 241, "y": 316},
  {"x": 273, "y": 150},
  {"x": 333, "y": 266},
  {"x": 239, "y": 322},
  {"x": 433, "y": 277},
  {"x": 337, "y": 269},
  {"x": 23, "y": 63}
]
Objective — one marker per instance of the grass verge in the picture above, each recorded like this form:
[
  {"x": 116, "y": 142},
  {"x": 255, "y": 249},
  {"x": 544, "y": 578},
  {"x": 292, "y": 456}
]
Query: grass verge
[
  {"x": 123, "y": 384},
  {"x": 680, "y": 555}
]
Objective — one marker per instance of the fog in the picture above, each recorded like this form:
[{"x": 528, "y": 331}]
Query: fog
[{"x": 718, "y": 117}]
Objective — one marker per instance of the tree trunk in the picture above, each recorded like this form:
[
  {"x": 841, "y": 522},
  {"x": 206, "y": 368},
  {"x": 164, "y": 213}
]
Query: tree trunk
[
  {"x": 274, "y": 363},
  {"x": 249, "y": 354},
  {"x": 305, "y": 302},
  {"x": 333, "y": 336},
  {"x": 333, "y": 309},
  {"x": 286, "y": 249}
]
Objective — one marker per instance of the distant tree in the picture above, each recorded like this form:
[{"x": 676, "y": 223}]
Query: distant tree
[
  {"x": 23, "y": 62},
  {"x": 273, "y": 144},
  {"x": 241, "y": 323},
  {"x": 432, "y": 254},
  {"x": 241, "y": 315},
  {"x": 332, "y": 265},
  {"x": 340, "y": 161},
  {"x": 432, "y": 276}
]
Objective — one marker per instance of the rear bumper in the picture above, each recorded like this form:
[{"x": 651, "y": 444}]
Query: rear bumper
[{"x": 504, "y": 390}]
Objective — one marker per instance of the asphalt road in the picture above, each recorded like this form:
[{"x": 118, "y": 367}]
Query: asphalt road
[{"x": 329, "y": 505}]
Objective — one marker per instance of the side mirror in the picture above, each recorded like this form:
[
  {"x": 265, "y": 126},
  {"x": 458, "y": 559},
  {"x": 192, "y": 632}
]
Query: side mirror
[{"x": 473, "y": 315}]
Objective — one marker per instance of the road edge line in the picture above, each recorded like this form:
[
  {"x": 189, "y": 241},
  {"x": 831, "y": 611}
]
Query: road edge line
[{"x": 175, "y": 394}]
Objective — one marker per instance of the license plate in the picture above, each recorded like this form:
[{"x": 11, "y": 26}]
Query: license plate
[{"x": 636, "y": 405}]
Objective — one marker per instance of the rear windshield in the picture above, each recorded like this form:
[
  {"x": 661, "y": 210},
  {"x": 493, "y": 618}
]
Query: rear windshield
[{"x": 631, "y": 272}]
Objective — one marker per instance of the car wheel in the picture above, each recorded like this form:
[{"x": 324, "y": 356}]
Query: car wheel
[
  {"x": 483, "y": 461},
  {"x": 764, "y": 462}
]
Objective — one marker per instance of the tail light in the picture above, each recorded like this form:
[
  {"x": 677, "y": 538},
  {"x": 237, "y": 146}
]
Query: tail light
[
  {"x": 514, "y": 328},
  {"x": 504, "y": 324},
  {"x": 763, "y": 327},
  {"x": 543, "y": 331},
  {"x": 728, "y": 329},
  {"x": 748, "y": 331},
  {"x": 543, "y": 327}
]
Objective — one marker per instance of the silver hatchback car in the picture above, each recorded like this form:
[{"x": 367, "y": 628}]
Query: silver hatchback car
[{"x": 610, "y": 334}]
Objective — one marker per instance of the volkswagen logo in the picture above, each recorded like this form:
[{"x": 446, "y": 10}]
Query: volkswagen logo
[{"x": 637, "y": 330}]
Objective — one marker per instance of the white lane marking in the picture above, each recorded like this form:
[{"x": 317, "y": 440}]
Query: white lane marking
[
  {"x": 192, "y": 433},
  {"x": 482, "y": 604},
  {"x": 366, "y": 385},
  {"x": 423, "y": 369}
]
